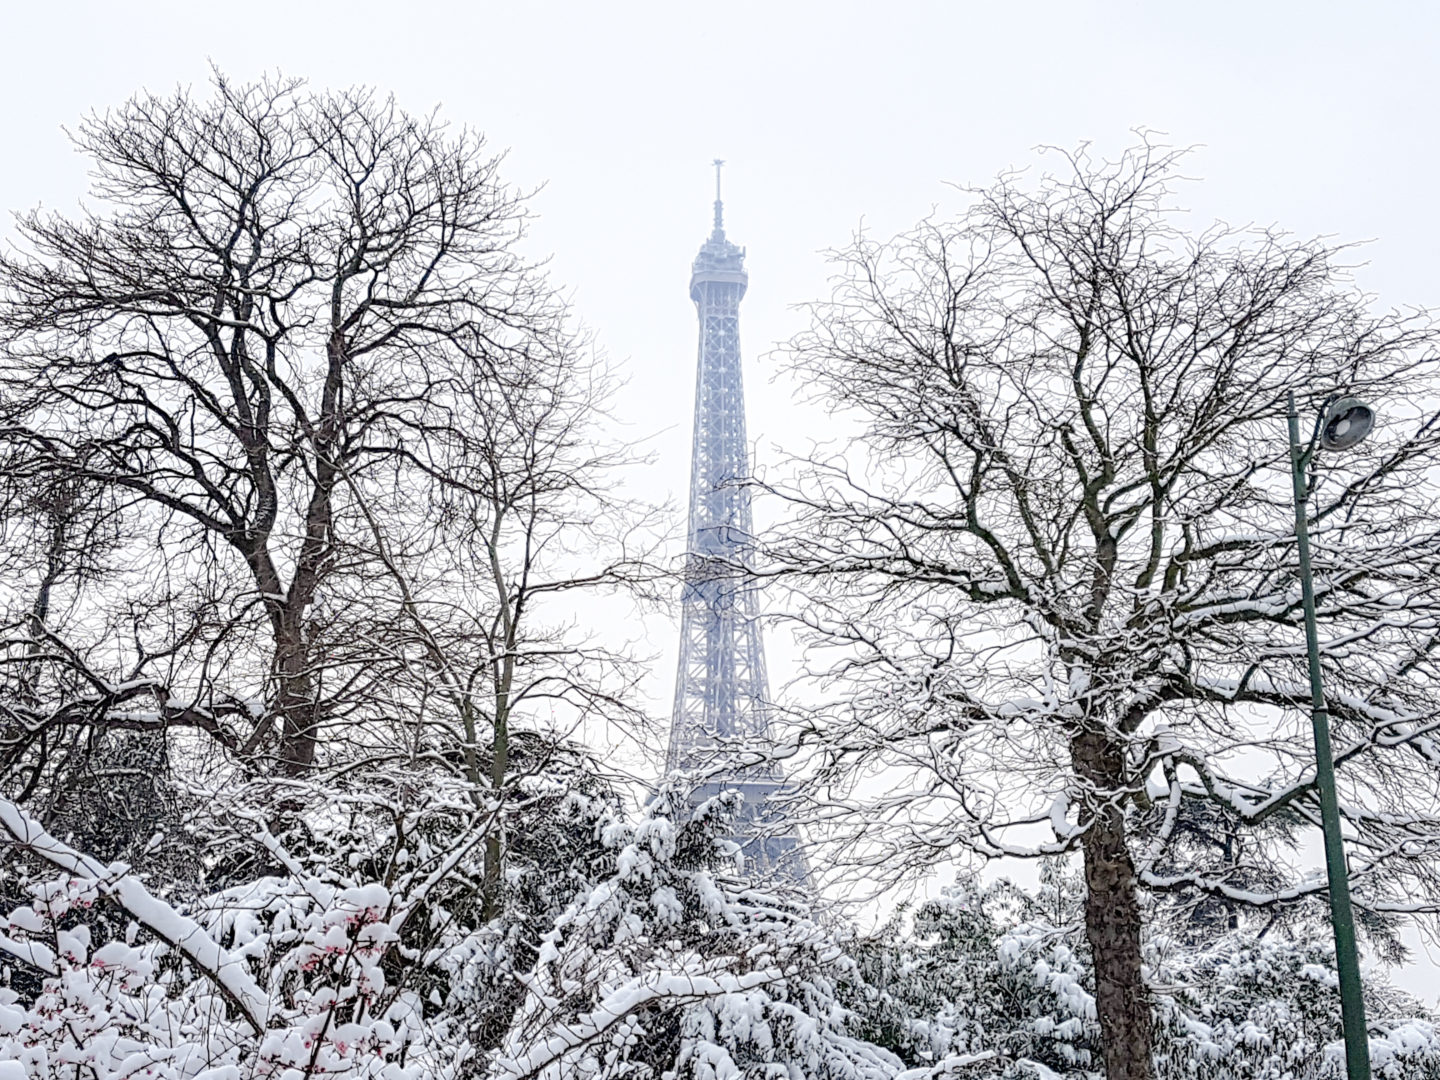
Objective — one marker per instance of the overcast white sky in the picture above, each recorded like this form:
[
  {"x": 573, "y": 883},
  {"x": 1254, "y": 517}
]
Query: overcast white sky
[{"x": 1317, "y": 116}]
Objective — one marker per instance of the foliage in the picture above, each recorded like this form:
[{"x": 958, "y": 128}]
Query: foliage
[
  {"x": 356, "y": 948},
  {"x": 1234, "y": 1006},
  {"x": 629, "y": 947},
  {"x": 670, "y": 966}
]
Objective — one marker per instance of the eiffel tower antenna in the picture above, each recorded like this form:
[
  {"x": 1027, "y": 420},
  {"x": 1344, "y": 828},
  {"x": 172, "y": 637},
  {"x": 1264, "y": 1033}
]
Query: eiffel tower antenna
[{"x": 719, "y": 206}]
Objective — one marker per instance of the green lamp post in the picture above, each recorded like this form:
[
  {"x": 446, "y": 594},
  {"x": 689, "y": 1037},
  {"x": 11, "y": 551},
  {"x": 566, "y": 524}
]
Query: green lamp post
[{"x": 1342, "y": 424}]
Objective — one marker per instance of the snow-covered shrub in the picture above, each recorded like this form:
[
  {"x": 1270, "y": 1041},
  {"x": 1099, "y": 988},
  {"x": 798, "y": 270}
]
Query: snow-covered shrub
[
  {"x": 1267, "y": 1009},
  {"x": 982, "y": 970},
  {"x": 628, "y": 947},
  {"x": 993, "y": 969},
  {"x": 355, "y": 947},
  {"x": 283, "y": 974},
  {"x": 424, "y": 841},
  {"x": 672, "y": 967}
]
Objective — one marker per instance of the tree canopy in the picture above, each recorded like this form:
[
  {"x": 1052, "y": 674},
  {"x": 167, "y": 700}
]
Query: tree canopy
[{"x": 1058, "y": 578}]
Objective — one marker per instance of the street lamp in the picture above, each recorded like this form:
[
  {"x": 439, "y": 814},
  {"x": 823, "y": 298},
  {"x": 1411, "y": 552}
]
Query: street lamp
[{"x": 1342, "y": 424}]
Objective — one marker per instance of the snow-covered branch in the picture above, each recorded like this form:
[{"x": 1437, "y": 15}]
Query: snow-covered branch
[{"x": 229, "y": 974}]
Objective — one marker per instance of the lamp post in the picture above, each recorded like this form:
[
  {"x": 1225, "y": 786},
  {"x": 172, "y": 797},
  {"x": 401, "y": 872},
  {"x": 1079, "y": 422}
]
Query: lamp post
[{"x": 1342, "y": 424}]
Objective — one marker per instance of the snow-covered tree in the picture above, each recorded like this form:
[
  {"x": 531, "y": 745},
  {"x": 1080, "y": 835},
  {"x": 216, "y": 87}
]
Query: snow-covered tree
[
  {"x": 992, "y": 981},
  {"x": 670, "y": 965},
  {"x": 357, "y": 944},
  {"x": 1057, "y": 572}
]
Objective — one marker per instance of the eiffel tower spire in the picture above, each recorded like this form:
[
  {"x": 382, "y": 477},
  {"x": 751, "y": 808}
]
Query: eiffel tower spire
[
  {"x": 719, "y": 164},
  {"x": 721, "y": 692}
]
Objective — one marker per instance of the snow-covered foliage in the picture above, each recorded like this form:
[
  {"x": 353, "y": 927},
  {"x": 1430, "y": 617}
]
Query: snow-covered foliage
[
  {"x": 981, "y": 970},
  {"x": 1247, "y": 1008},
  {"x": 146, "y": 1009},
  {"x": 662, "y": 963},
  {"x": 629, "y": 948},
  {"x": 353, "y": 948},
  {"x": 992, "y": 970},
  {"x": 670, "y": 966},
  {"x": 282, "y": 973}
]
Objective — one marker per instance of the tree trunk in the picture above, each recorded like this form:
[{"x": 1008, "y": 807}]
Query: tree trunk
[
  {"x": 1112, "y": 912},
  {"x": 494, "y": 893},
  {"x": 295, "y": 699}
]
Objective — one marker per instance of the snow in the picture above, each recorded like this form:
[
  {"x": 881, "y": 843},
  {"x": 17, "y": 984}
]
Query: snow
[
  {"x": 622, "y": 1002},
  {"x": 155, "y": 915},
  {"x": 35, "y": 953},
  {"x": 749, "y": 976}
]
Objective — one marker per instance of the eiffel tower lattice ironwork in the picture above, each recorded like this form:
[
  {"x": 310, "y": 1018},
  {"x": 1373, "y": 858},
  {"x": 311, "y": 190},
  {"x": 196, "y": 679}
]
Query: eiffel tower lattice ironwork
[{"x": 721, "y": 692}]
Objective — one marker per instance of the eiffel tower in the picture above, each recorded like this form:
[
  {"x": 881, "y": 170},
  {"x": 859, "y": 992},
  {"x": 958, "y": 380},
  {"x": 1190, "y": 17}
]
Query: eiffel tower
[{"x": 721, "y": 693}]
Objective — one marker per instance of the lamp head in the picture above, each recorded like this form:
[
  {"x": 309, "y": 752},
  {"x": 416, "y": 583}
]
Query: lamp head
[{"x": 1347, "y": 422}]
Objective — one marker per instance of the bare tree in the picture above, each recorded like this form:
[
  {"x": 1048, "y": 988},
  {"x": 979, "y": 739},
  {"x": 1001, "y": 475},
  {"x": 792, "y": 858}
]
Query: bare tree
[
  {"x": 338, "y": 439},
  {"x": 526, "y": 519},
  {"x": 1057, "y": 576},
  {"x": 281, "y": 296}
]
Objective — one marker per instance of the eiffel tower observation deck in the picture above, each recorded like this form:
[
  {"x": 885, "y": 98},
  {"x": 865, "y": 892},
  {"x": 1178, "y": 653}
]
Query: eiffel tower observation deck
[{"x": 721, "y": 692}]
